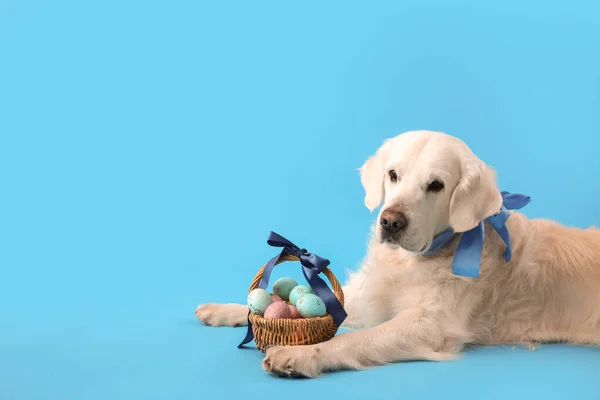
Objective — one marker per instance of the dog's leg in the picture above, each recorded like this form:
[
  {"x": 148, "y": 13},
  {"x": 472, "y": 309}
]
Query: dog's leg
[
  {"x": 411, "y": 335},
  {"x": 223, "y": 314},
  {"x": 354, "y": 292},
  {"x": 237, "y": 314}
]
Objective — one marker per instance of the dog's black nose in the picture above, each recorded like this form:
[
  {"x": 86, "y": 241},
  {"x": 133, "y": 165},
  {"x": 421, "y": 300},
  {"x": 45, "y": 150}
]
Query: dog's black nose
[{"x": 392, "y": 221}]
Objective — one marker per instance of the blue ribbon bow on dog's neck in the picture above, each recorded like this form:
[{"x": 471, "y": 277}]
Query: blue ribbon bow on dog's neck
[
  {"x": 312, "y": 266},
  {"x": 467, "y": 256}
]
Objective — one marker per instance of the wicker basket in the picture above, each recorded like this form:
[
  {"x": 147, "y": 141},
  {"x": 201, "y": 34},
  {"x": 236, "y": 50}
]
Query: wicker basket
[{"x": 292, "y": 332}]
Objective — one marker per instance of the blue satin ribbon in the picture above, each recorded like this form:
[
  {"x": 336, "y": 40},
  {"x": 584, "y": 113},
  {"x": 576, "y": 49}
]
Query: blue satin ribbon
[
  {"x": 312, "y": 266},
  {"x": 467, "y": 256}
]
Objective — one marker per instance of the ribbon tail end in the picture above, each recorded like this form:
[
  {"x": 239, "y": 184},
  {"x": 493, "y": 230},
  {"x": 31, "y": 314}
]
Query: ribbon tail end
[{"x": 249, "y": 334}]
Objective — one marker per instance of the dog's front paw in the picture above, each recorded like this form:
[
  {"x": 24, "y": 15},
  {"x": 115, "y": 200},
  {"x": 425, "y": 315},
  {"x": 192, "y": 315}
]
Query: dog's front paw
[
  {"x": 294, "y": 361},
  {"x": 223, "y": 314}
]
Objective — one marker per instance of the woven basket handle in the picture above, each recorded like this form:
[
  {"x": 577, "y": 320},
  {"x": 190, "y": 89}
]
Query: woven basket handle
[{"x": 335, "y": 284}]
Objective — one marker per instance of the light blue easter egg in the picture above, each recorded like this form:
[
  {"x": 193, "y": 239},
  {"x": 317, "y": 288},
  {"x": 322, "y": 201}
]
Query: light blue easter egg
[
  {"x": 299, "y": 291},
  {"x": 310, "y": 305},
  {"x": 259, "y": 300},
  {"x": 283, "y": 287}
]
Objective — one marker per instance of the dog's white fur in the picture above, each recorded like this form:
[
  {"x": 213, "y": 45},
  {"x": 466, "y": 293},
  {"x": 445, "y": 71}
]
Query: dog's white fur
[{"x": 409, "y": 306}]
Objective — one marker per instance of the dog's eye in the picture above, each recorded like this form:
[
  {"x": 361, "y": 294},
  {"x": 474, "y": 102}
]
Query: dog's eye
[
  {"x": 435, "y": 186},
  {"x": 393, "y": 176}
]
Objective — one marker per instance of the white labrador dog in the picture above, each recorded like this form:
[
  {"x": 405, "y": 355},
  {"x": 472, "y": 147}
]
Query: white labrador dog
[{"x": 410, "y": 306}]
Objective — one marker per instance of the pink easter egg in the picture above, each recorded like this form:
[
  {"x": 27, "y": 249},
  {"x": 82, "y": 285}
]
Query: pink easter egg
[
  {"x": 278, "y": 310},
  {"x": 276, "y": 297},
  {"x": 294, "y": 312}
]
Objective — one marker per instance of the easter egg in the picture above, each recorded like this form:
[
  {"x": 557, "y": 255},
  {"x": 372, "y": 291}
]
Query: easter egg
[
  {"x": 278, "y": 310},
  {"x": 299, "y": 291},
  {"x": 275, "y": 297},
  {"x": 283, "y": 287},
  {"x": 294, "y": 312},
  {"x": 259, "y": 300},
  {"x": 310, "y": 305}
]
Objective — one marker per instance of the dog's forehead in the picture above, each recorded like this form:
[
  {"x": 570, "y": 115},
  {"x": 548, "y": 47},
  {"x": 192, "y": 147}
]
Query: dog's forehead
[{"x": 423, "y": 153}]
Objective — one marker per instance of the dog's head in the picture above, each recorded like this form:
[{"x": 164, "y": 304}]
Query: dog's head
[{"x": 428, "y": 181}]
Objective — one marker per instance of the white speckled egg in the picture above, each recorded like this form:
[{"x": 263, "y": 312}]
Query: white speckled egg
[
  {"x": 310, "y": 305},
  {"x": 259, "y": 300},
  {"x": 283, "y": 287},
  {"x": 299, "y": 291}
]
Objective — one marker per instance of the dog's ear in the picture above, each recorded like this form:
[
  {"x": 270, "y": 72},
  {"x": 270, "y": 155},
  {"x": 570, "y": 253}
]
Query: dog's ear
[
  {"x": 476, "y": 196},
  {"x": 372, "y": 176}
]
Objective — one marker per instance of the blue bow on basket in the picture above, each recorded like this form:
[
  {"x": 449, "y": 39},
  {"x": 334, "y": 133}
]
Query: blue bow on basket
[{"x": 312, "y": 266}]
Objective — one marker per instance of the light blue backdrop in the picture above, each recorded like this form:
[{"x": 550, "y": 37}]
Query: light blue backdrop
[{"x": 148, "y": 147}]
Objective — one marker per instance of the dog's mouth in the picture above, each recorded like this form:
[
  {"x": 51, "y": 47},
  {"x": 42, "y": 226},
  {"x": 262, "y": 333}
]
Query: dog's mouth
[{"x": 393, "y": 243}]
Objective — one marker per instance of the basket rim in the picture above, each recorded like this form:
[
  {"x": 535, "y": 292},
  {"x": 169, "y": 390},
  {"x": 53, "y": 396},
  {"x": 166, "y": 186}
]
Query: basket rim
[{"x": 326, "y": 319}]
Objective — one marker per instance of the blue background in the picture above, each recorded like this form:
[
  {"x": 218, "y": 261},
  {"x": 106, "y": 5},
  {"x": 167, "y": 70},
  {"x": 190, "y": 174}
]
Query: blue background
[{"x": 148, "y": 147}]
